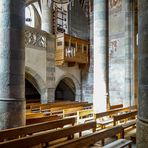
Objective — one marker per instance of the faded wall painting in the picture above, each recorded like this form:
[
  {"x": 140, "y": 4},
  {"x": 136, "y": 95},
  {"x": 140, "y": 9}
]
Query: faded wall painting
[
  {"x": 115, "y": 5},
  {"x": 116, "y": 70}
]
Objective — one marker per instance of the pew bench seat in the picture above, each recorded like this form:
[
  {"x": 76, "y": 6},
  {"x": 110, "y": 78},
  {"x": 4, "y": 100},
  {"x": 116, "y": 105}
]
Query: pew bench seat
[
  {"x": 103, "y": 123},
  {"x": 120, "y": 143},
  {"x": 85, "y": 120},
  {"x": 129, "y": 124}
]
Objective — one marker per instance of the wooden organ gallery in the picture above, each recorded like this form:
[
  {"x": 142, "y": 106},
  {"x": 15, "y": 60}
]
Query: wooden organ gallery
[{"x": 71, "y": 49}]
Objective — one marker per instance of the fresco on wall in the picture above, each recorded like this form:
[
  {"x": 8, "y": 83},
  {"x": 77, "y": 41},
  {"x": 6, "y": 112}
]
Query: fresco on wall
[
  {"x": 120, "y": 71},
  {"x": 116, "y": 49},
  {"x": 114, "y": 44},
  {"x": 116, "y": 69},
  {"x": 115, "y": 6}
]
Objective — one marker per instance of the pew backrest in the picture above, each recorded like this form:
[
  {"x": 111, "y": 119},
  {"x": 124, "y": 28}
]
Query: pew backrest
[
  {"x": 58, "y": 107},
  {"x": 110, "y": 112},
  {"x": 14, "y": 133},
  {"x": 42, "y": 119},
  {"x": 105, "y": 118},
  {"x": 30, "y": 115},
  {"x": 71, "y": 111},
  {"x": 48, "y": 136},
  {"x": 117, "y": 118},
  {"x": 90, "y": 139},
  {"x": 85, "y": 115}
]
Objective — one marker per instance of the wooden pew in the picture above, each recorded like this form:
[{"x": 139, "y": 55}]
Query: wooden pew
[
  {"x": 118, "y": 106},
  {"x": 71, "y": 111},
  {"x": 99, "y": 117},
  {"x": 85, "y": 115},
  {"x": 22, "y": 131},
  {"x": 131, "y": 123},
  {"x": 31, "y": 115},
  {"x": 28, "y": 105},
  {"x": 117, "y": 118},
  {"x": 59, "y": 109},
  {"x": 37, "y": 106},
  {"x": 47, "y": 107},
  {"x": 105, "y": 118},
  {"x": 42, "y": 119},
  {"x": 45, "y": 137},
  {"x": 91, "y": 139},
  {"x": 88, "y": 106}
]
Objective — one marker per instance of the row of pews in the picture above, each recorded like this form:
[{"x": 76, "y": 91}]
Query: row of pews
[
  {"x": 82, "y": 128},
  {"x": 54, "y": 111}
]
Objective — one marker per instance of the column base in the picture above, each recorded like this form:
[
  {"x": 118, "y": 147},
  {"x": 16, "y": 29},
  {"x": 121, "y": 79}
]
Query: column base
[
  {"x": 12, "y": 113},
  {"x": 47, "y": 95},
  {"x": 142, "y": 134}
]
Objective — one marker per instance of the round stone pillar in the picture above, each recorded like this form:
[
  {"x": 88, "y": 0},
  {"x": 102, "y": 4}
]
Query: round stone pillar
[
  {"x": 142, "y": 124},
  {"x": 47, "y": 13},
  {"x": 100, "y": 54},
  {"x": 47, "y": 9},
  {"x": 12, "y": 63}
]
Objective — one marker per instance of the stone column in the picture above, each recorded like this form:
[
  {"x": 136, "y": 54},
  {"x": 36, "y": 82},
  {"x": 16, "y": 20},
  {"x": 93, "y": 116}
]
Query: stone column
[
  {"x": 129, "y": 99},
  {"x": 50, "y": 69},
  {"x": 12, "y": 63},
  {"x": 47, "y": 8},
  {"x": 100, "y": 54},
  {"x": 87, "y": 73},
  {"x": 142, "y": 124}
]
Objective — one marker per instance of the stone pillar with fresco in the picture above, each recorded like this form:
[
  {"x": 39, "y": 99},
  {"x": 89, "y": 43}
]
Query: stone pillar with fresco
[
  {"x": 142, "y": 123},
  {"x": 121, "y": 52},
  {"x": 12, "y": 64}
]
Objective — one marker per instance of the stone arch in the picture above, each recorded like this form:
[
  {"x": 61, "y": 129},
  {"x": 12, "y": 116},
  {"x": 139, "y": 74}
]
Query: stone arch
[
  {"x": 28, "y": 2},
  {"x": 76, "y": 83},
  {"x": 36, "y": 81}
]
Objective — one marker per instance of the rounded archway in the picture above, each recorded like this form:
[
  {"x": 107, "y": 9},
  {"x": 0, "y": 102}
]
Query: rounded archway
[
  {"x": 65, "y": 90},
  {"x": 36, "y": 81},
  {"x": 31, "y": 93}
]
